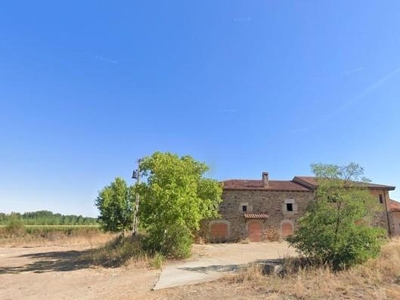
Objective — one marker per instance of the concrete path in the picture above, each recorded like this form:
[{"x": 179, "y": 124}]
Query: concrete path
[{"x": 211, "y": 262}]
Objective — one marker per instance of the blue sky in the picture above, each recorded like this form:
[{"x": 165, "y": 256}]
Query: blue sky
[{"x": 88, "y": 87}]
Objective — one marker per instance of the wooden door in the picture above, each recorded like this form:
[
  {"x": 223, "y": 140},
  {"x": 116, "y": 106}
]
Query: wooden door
[
  {"x": 219, "y": 231},
  {"x": 286, "y": 229},
  {"x": 254, "y": 229}
]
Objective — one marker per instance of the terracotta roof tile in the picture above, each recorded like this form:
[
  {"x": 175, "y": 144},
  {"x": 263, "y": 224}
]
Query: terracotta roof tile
[
  {"x": 311, "y": 182},
  {"x": 299, "y": 183},
  {"x": 274, "y": 185},
  {"x": 255, "y": 216},
  {"x": 394, "y": 205}
]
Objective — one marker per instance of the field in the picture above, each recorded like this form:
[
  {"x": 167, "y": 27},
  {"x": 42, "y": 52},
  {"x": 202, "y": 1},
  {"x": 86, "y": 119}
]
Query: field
[
  {"x": 76, "y": 272},
  {"x": 69, "y": 264},
  {"x": 37, "y": 235}
]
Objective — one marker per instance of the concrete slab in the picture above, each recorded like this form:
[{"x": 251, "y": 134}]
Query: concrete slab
[
  {"x": 189, "y": 273},
  {"x": 217, "y": 260}
]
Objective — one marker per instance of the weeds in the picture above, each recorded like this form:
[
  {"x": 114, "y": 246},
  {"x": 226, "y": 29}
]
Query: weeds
[
  {"x": 245, "y": 241},
  {"x": 16, "y": 234},
  {"x": 103, "y": 249},
  {"x": 303, "y": 279},
  {"x": 124, "y": 251},
  {"x": 116, "y": 252},
  {"x": 272, "y": 234},
  {"x": 14, "y": 227},
  {"x": 157, "y": 261}
]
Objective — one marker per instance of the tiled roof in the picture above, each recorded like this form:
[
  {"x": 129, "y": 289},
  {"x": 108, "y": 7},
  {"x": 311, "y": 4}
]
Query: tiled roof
[
  {"x": 311, "y": 182},
  {"x": 298, "y": 184},
  {"x": 394, "y": 205},
  {"x": 274, "y": 185},
  {"x": 255, "y": 216}
]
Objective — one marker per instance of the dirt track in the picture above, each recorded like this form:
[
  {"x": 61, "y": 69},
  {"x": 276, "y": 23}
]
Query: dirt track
[
  {"x": 49, "y": 273},
  {"x": 52, "y": 273}
]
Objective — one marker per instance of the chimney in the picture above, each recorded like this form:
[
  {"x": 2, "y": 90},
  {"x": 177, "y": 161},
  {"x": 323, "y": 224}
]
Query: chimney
[{"x": 265, "y": 178}]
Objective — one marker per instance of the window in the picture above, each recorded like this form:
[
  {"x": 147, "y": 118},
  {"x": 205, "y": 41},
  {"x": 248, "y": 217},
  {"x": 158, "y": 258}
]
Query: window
[
  {"x": 289, "y": 206},
  {"x": 245, "y": 207},
  {"x": 380, "y": 198}
]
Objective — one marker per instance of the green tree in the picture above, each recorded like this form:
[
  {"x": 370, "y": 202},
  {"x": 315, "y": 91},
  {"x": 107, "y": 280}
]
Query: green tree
[
  {"x": 47, "y": 218},
  {"x": 337, "y": 228},
  {"x": 174, "y": 198},
  {"x": 115, "y": 203}
]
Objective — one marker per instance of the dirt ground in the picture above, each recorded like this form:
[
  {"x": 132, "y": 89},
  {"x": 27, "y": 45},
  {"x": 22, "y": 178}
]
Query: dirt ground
[{"x": 51, "y": 272}]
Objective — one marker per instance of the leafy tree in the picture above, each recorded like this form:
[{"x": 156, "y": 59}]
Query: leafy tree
[
  {"x": 174, "y": 199},
  {"x": 115, "y": 203},
  {"x": 337, "y": 228}
]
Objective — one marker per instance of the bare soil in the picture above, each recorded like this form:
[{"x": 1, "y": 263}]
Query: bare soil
[{"x": 55, "y": 272}]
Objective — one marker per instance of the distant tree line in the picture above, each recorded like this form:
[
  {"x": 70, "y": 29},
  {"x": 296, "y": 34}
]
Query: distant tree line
[{"x": 45, "y": 217}]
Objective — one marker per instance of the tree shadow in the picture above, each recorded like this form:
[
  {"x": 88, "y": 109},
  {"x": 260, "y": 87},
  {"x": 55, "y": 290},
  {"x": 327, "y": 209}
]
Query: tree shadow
[
  {"x": 214, "y": 268},
  {"x": 112, "y": 255},
  {"x": 56, "y": 261},
  {"x": 233, "y": 267}
]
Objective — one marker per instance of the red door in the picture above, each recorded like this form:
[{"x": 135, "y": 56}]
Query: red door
[
  {"x": 255, "y": 231},
  {"x": 219, "y": 231},
  {"x": 287, "y": 229}
]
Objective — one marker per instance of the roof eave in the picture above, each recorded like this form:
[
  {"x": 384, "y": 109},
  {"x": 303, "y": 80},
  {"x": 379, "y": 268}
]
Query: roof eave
[{"x": 266, "y": 190}]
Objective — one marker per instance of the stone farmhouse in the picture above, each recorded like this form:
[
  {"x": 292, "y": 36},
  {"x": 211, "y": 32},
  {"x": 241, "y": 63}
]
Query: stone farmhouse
[
  {"x": 268, "y": 209},
  {"x": 394, "y": 213}
]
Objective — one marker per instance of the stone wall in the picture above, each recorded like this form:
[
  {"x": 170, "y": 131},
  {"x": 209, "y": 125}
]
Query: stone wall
[
  {"x": 395, "y": 223},
  {"x": 382, "y": 218},
  {"x": 272, "y": 203},
  {"x": 283, "y": 209}
]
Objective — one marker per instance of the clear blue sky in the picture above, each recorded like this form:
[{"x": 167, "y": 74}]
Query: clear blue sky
[{"x": 88, "y": 87}]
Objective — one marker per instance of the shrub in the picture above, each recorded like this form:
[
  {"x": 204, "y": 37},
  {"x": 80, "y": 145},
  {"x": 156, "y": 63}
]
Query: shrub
[
  {"x": 157, "y": 261},
  {"x": 15, "y": 227},
  {"x": 117, "y": 252},
  {"x": 173, "y": 242},
  {"x": 336, "y": 228},
  {"x": 272, "y": 234}
]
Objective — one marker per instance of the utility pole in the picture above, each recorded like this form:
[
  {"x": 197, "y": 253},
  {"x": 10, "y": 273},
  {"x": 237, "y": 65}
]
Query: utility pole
[{"x": 136, "y": 175}]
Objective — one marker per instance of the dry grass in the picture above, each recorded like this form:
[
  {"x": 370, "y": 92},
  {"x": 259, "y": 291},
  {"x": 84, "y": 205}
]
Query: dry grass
[
  {"x": 272, "y": 234},
  {"x": 123, "y": 251},
  {"x": 97, "y": 248},
  {"x": 377, "y": 279},
  {"x": 33, "y": 236}
]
